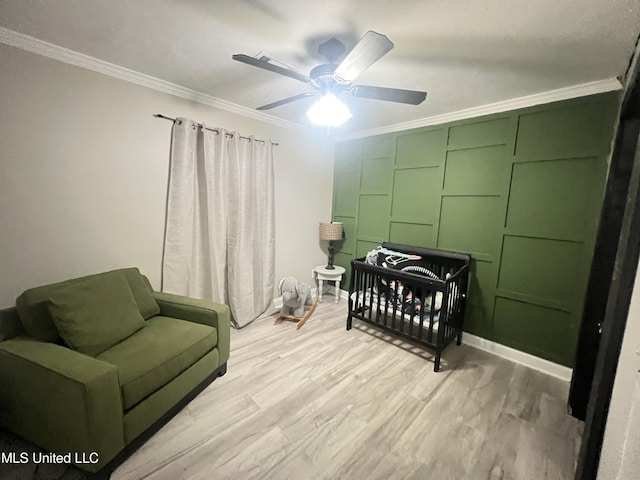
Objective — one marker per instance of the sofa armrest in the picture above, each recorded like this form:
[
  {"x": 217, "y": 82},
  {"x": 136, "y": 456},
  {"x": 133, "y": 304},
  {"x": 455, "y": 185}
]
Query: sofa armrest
[
  {"x": 205, "y": 312},
  {"x": 61, "y": 400}
]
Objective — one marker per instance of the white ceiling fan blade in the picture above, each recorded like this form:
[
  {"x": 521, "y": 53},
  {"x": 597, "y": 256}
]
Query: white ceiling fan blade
[{"x": 371, "y": 48}]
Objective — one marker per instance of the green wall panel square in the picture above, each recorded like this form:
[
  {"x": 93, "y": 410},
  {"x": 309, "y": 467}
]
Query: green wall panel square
[
  {"x": 345, "y": 191},
  {"x": 487, "y": 132},
  {"x": 477, "y": 321},
  {"x": 476, "y": 170},
  {"x": 376, "y": 176},
  {"x": 553, "y": 197},
  {"x": 422, "y": 148},
  {"x": 347, "y": 165},
  {"x": 373, "y": 221},
  {"x": 344, "y": 260},
  {"x": 534, "y": 329},
  {"x": 416, "y": 194},
  {"x": 347, "y": 157},
  {"x": 564, "y": 131},
  {"x": 481, "y": 283},
  {"x": 412, "y": 234},
  {"x": 470, "y": 224},
  {"x": 542, "y": 268},
  {"x": 365, "y": 247},
  {"x": 348, "y": 243},
  {"x": 380, "y": 146}
]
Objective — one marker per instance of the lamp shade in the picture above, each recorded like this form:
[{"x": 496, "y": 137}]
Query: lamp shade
[{"x": 330, "y": 230}]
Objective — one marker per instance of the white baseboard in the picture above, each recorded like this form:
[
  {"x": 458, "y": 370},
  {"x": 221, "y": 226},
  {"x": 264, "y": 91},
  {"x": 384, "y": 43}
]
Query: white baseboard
[{"x": 526, "y": 359}]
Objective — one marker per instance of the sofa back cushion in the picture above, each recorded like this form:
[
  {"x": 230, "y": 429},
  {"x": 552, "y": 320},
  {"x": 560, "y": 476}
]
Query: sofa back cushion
[
  {"x": 96, "y": 313},
  {"x": 142, "y": 292},
  {"x": 37, "y": 321},
  {"x": 10, "y": 325}
]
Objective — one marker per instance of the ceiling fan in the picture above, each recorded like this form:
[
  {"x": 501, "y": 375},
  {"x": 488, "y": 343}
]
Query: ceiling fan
[{"x": 333, "y": 79}]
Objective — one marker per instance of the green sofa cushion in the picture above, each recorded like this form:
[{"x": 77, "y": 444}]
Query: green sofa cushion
[
  {"x": 96, "y": 313},
  {"x": 142, "y": 292},
  {"x": 144, "y": 414},
  {"x": 152, "y": 357},
  {"x": 205, "y": 312},
  {"x": 37, "y": 321},
  {"x": 10, "y": 325}
]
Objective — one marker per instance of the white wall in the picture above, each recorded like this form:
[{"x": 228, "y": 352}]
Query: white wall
[
  {"x": 620, "y": 456},
  {"x": 83, "y": 175}
]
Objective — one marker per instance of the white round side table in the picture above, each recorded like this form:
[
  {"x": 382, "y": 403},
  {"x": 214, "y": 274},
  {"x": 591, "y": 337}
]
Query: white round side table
[{"x": 321, "y": 273}]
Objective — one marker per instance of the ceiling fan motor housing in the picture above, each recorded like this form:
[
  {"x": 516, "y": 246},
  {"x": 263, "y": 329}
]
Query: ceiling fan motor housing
[
  {"x": 324, "y": 74},
  {"x": 332, "y": 49}
]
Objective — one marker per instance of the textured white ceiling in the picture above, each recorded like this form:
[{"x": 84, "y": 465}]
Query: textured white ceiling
[{"x": 464, "y": 53}]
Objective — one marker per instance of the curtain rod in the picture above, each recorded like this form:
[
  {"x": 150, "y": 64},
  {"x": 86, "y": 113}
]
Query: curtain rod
[{"x": 164, "y": 117}]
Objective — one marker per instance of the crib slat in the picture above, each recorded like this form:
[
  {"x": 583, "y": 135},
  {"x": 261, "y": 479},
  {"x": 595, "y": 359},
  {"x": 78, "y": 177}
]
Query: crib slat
[
  {"x": 375, "y": 294},
  {"x": 369, "y": 288},
  {"x": 391, "y": 294},
  {"x": 382, "y": 305},
  {"x": 432, "y": 313},
  {"x": 422, "y": 307}
]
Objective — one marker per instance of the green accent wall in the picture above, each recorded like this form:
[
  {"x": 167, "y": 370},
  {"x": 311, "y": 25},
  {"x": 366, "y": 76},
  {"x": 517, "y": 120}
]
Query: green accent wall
[{"x": 520, "y": 191}]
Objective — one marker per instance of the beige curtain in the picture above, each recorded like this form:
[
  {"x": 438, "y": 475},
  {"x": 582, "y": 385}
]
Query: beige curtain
[{"x": 220, "y": 226}]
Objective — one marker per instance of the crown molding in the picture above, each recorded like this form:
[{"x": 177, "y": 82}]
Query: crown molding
[
  {"x": 56, "y": 52},
  {"x": 565, "y": 93}
]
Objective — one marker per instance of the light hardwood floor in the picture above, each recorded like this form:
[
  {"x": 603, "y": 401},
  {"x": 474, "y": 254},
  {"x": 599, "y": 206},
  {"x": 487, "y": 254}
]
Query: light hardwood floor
[{"x": 322, "y": 402}]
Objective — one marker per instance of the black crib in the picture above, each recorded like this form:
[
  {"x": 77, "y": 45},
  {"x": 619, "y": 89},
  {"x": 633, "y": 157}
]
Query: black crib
[{"x": 422, "y": 308}]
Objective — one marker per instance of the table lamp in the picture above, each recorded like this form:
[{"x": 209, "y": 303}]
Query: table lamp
[{"x": 331, "y": 231}]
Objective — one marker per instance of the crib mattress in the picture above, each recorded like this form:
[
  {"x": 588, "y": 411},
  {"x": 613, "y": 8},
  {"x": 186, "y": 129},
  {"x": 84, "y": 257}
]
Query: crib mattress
[{"x": 363, "y": 299}]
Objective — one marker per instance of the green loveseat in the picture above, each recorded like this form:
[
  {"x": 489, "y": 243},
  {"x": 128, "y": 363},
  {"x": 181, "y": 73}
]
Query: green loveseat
[{"x": 90, "y": 366}]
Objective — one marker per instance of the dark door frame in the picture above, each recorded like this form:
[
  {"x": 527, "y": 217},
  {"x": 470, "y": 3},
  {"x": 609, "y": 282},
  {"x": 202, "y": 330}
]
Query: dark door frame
[
  {"x": 601, "y": 274},
  {"x": 622, "y": 282}
]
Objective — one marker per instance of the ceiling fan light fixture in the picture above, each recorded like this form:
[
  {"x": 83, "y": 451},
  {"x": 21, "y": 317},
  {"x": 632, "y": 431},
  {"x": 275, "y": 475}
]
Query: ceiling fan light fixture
[
  {"x": 332, "y": 78},
  {"x": 328, "y": 111}
]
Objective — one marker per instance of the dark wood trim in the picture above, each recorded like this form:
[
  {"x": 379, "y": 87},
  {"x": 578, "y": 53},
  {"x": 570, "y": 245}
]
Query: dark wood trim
[
  {"x": 600, "y": 276},
  {"x": 616, "y": 313}
]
